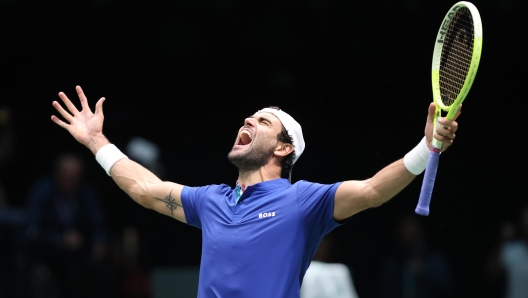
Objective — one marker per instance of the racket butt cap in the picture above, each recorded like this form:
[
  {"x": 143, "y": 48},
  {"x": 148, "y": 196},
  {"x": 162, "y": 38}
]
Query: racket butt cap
[{"x": 422, "y": 211}]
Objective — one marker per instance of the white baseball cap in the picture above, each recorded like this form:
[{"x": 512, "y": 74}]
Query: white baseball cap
[{"x": 292, "y": 127}]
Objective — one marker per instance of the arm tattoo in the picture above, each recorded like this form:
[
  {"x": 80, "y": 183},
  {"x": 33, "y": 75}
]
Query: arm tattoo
[{"x": 170, "y": 203}]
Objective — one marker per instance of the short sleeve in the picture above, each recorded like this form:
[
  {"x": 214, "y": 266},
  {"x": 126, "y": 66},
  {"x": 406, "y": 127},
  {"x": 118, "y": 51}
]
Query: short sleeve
[
  {"x": 316, "y": 204},
  {"x": 191, "y": 198}
]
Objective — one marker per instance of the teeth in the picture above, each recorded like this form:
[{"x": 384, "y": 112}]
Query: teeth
[
  {"x": 245, "y": 137},
  {"x": 247, "y": 133}
]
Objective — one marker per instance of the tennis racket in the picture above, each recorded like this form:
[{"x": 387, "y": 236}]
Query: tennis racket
[{"x": 455, "y": 61}]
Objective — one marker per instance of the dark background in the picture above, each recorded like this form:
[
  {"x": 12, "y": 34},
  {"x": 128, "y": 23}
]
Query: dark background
[{"x": 356, "y": 75}]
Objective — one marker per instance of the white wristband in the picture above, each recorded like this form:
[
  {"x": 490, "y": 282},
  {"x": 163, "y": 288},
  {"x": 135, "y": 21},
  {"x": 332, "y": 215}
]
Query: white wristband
[
  {"x": 108, "y": 155},
  {"x": 416, "y": 160}
]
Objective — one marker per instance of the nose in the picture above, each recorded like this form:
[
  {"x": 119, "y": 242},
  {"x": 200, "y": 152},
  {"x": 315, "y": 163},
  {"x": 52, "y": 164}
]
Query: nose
[{"x": 249, "y": 122}]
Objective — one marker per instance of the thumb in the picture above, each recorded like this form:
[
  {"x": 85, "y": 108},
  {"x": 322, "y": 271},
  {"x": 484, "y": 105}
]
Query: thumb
[{"x": 99, "y": 106}]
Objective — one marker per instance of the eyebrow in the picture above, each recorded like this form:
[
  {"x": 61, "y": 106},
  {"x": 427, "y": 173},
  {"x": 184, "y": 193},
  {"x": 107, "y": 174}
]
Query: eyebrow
[{"x": 261, "y": 118}]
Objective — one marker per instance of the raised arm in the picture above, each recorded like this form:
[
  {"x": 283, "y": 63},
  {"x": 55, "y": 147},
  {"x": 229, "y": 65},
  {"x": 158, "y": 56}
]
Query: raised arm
[
  {"x": 355, "y": 196},
  {"x": 138, "y": 182}
]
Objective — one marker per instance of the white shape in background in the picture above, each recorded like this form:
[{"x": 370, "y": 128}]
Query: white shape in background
[
  {"x": 327, "y": 280},
  {"x": 146, "y": 153}
]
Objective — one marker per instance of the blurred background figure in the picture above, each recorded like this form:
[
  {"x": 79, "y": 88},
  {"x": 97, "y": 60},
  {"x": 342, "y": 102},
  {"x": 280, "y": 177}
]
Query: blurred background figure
[
  {"x": 415, "y": 270},
  {"x": 9, "y": 217},
  {"x": 66, "y": 237},
  {"x": 493, "y": 270},
  {"x": 508, "y": 266},
  {"x": 133, "y": 281},
  {"x": 7, "y": 144},
  {"x": 325, "y": 278}
]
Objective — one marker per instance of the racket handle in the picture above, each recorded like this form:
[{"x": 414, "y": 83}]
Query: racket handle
[{"x": 428, "y": 182}]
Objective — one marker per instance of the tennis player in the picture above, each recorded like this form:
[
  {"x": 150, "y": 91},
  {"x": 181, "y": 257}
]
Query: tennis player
[{"x": 260, "y": 236}]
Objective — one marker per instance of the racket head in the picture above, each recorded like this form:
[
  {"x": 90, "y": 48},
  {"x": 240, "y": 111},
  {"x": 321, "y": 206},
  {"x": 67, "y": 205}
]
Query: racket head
[{"x": 456, "y": 56}]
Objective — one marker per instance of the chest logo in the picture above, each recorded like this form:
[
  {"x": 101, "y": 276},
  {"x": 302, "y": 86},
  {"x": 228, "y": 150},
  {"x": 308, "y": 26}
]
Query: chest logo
[{"x": 267, "y": 214}]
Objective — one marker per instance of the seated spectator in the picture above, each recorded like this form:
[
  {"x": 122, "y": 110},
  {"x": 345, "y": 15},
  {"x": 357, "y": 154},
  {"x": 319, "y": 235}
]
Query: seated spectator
[
  {"x": 7, "y": 141},
  {"x": 415, "y": 270},
  {"x": 133, "y": 281},
  {"x": 65, "y": 233},
  {"x": 9, "y": 218}
]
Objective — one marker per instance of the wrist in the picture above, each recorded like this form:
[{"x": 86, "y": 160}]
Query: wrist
[
  {"x": 108, "y": 155},
  {"x": 97, "y": 142},
  {"x": 416, "y": 160}
]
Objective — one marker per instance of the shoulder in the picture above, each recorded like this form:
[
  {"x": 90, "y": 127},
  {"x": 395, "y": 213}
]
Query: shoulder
[
  {"x": 206, "y": 190},
  {"x": 209, "y": 188},
  {"x": 308, "y": 184},
  {"x": 88, "y": 189},
  {"x": 42, "y": 185},
  {"x": 40, "y": 192},
  {"x": 513, "y": 247},
  {"x": 307, "y": 187},
  {"x": 512, "y": 250}
]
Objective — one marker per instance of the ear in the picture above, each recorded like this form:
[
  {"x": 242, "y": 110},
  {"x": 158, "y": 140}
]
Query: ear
[{"x": 283, "y": 149}]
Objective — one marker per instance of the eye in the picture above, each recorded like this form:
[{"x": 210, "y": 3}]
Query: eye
[{"x": 265, "y": 121}]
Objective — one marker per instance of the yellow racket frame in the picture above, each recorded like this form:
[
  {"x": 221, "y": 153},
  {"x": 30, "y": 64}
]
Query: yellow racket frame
[{"x": 437, "y": 55}]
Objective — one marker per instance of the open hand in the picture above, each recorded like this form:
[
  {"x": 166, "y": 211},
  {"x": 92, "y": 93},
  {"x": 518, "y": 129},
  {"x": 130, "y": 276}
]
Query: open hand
[
  {"x": 445, "y": 130},
  {"x": 84, "y": 126}
]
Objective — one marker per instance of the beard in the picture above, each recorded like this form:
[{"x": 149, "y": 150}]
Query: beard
[{"x": 254, "y": 158}]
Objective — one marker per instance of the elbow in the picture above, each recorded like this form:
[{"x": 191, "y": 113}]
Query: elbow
[
  {"x": 374, "y": 198},
  {"x": 378, "y": 200},
  {"x": 141, "y": 196},
  {"x": 145, "y": 201},
  {"x": 374, "y": 202}
]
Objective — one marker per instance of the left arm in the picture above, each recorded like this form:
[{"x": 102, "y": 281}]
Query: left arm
[{"x": 354, "y": 196}]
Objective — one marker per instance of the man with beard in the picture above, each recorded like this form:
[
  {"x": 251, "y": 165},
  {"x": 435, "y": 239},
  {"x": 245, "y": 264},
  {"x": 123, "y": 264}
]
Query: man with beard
[{"x": 258, "y": 238}]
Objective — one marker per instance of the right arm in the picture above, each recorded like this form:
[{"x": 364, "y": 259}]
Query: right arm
[
  {"x": 147, "y": 189},
  {"x": 138, "y": 182}
]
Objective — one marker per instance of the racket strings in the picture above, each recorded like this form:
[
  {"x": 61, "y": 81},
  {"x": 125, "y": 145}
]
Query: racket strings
[{"x": 456, "y": 55}]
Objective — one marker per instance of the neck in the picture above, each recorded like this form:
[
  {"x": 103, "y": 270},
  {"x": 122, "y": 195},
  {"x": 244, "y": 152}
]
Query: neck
[{"x": 265, "y": 173}]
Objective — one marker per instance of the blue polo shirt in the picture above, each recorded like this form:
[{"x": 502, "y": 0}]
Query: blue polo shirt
[{"x": 262, "y": 245}]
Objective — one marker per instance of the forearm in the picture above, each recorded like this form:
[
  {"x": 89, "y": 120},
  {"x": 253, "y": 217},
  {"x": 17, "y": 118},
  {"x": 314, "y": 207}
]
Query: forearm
[
  {"x": 393, "y": 178},
  {"x": 388, "y": 182},
  {"x": 136, "y": 181},
  {"x": 130, "y": 176},
  {"x": 148, "y": 190},
  {"x": 354, "y": 196}
]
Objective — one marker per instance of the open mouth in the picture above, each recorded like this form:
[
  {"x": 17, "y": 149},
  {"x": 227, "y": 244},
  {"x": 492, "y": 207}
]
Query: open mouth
[{"x": 244, "y": 138}]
